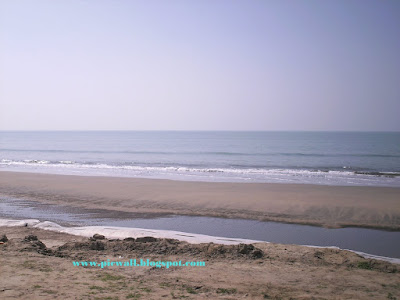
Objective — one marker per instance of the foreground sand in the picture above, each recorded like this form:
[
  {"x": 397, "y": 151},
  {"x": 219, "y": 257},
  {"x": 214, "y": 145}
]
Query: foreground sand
[
  {"x": 330, "y": 206},
  {"x": 29, "y": 270}
]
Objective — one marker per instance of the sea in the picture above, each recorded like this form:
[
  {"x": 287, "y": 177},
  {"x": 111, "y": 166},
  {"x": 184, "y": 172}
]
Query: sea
[{"x": 325, "y": 158}]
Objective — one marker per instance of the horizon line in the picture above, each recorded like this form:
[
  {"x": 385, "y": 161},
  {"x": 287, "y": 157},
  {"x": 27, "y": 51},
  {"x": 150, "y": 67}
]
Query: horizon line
[{"x": 182, "y": 130}]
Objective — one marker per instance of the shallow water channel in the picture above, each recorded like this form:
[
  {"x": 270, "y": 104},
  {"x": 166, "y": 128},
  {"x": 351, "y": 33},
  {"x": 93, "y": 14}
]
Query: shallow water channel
[{"x": 371, "y": 241}]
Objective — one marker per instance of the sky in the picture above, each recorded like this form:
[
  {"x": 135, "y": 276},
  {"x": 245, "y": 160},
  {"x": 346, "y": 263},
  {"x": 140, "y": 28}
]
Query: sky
[{"x": 200, "y": 65}]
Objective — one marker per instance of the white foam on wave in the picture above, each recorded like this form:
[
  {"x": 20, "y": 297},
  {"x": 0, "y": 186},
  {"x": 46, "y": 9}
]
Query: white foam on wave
[
  {"x": 111, "y": 232},
  {"x": 183, "y": 169},
  {"x": 256, "y": 171},
  {"x": 207, "y": 174}
]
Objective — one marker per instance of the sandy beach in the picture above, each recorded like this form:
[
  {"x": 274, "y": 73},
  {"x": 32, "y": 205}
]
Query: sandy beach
[
  {"x": 38, "y": 264},
  {"x": 329, "y": 206}
]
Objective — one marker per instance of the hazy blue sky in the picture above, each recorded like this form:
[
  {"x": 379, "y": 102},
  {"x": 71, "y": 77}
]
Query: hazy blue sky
[{"x": 200, "y": 65}]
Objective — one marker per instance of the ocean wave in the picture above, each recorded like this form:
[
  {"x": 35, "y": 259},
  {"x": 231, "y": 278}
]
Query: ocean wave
[{"x": 243, "y": 170}]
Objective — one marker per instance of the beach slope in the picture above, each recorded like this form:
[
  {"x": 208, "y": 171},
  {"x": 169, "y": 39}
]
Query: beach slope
[{"x": 330, "y": 206}]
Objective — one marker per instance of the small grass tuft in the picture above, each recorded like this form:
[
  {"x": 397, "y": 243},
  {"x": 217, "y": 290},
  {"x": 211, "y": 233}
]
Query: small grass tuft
[
  {"x": 391, "y": 297},
  {"x": 110, "y": 277},
  {"x": 96, "y": 287},
  {"x": 190, "y": 290},
  {"x": 226, "y": 291},
  {"x": 146, "y": 289},
  {"x": 133, "y": 296},
  {"x": 366, "y": 265},
  {"x": 29, "y": 264},
  {"x": 165, "y": 284}
]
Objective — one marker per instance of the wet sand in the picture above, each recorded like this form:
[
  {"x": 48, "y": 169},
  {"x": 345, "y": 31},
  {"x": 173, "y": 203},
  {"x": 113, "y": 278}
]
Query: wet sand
[
  {"x": 32, "y": 270},
  {"x": 330, "y": 206}
]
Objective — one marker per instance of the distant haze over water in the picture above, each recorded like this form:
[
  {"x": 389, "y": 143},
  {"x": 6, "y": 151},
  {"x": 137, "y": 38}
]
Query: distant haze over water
[{"x": 332, "y": 158}]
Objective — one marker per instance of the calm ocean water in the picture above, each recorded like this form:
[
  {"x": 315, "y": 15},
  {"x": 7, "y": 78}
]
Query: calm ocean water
[{"x": 332, "y": 158}]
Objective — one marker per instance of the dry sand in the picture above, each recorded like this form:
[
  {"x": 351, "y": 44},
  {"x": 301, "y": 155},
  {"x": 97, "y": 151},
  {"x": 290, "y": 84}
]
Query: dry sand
[
  {"x": 31, "y": 270},
  {"x": 330, "y": 206}
]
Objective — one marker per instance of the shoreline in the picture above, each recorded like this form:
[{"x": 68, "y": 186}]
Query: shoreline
[
  {"x": 316, "y": 205},
  {"x": 112, "y": 232}
]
